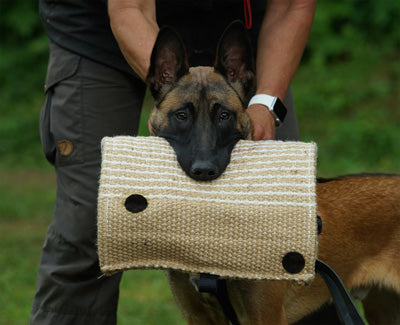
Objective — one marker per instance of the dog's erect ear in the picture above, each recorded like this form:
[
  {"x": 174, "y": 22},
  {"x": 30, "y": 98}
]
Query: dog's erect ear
[
  {"x": 235, "y": 58},
  {"x": 167, "y": 64}
]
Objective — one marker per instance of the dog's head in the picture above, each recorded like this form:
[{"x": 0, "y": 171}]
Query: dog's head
[{"x": 201, "y": 110}]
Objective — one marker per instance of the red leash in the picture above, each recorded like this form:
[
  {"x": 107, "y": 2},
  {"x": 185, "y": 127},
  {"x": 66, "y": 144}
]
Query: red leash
[{"x": 248, "y": 18}]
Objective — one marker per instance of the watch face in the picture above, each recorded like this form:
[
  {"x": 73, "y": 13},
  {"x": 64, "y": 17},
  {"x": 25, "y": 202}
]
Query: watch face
[{"x": 280, "y": 110}]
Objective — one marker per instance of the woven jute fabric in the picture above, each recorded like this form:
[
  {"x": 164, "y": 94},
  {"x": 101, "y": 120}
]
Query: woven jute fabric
[{"x": 240, "y": 225}]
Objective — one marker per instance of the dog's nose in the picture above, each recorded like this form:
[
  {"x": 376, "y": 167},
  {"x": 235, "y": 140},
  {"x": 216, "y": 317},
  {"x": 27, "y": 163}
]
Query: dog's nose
[{"x": 204, "y": 170}]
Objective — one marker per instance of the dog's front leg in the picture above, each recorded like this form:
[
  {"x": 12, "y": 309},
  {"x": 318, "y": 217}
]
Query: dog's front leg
[
  {"x": 197, "y": 308},
  {"x": 258, "y": 302}
]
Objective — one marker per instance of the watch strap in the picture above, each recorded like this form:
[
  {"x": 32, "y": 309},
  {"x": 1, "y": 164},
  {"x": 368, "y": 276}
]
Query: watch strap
[{"x": 274, "y": 105}]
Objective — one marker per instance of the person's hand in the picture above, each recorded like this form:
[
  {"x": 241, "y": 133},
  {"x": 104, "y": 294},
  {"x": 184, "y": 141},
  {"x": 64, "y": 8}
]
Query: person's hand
[{"x": 263, "y": 122}]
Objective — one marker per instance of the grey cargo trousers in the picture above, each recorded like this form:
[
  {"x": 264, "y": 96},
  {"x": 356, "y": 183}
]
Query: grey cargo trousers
[{"x": 85, "y": 101}]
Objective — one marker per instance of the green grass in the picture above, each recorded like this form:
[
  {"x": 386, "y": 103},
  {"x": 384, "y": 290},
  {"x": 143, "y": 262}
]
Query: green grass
[
  {"x": 20, "y": 244},
  {"x": 145, "y": 298},
  {"x": 23, "y": 223}
]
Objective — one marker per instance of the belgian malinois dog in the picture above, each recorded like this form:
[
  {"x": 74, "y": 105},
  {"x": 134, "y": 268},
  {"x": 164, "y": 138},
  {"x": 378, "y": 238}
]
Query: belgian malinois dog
[{"x": 201, "y": 112}]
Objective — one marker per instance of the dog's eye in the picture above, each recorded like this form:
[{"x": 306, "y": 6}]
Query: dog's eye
[
  {"x": 182, "y": 116},
  {"x": 224, "y": 116}
]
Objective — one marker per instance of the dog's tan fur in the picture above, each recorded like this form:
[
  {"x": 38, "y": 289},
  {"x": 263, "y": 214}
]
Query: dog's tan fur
[{"x": 360, "y": 215}]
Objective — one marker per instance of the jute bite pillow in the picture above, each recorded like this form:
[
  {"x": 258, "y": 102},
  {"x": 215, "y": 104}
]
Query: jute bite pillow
[{"x": 256, "y": 221}]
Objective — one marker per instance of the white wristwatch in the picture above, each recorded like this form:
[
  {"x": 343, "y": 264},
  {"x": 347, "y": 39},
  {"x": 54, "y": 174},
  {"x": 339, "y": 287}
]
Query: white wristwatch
[{"x": 274, "y": 105}]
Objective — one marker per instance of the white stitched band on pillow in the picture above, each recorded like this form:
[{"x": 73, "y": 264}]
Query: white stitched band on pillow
[{"x": 257, "y": 216}]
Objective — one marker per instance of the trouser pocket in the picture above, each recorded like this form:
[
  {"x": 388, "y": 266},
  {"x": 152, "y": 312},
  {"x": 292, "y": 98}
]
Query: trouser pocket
[
  {"x": 62, "y": 66},
  {"x": 47, "y": 139}
]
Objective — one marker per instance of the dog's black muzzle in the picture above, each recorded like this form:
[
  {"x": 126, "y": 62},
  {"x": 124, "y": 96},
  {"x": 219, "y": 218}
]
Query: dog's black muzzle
[{"x": 204, "y": 157}]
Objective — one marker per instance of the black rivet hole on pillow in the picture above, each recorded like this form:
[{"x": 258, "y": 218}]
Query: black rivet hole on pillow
[
  {"x": 135, "y": 203},
  {"x": 293, "y": 262}
]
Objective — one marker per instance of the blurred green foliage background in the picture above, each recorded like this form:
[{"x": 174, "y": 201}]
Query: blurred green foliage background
[{"x": 346, "y": 94}]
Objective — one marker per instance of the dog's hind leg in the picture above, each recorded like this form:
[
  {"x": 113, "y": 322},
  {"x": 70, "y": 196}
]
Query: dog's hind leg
[{"x": 382, "y": 307}]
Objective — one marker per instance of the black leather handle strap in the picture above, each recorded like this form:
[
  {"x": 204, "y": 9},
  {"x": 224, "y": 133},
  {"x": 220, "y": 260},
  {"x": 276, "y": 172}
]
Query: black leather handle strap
[{"x": 345, "y": 307}]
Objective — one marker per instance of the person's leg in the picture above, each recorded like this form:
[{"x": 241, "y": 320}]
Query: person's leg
[{"x": 85, "y": 102}]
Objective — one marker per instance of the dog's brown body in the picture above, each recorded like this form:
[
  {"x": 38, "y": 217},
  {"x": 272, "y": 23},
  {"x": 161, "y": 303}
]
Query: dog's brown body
[{"x": 201, "y": 112}]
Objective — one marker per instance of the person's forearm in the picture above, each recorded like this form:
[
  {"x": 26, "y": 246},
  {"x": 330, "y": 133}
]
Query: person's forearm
[
  {"x": 282, "y": 39},
  {"x": 281, "y": 42},
  {"x": 134, "y": 26}
]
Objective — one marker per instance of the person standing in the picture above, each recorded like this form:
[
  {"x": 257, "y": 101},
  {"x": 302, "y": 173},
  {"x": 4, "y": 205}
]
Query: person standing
[{"x": 99, "y": 58}]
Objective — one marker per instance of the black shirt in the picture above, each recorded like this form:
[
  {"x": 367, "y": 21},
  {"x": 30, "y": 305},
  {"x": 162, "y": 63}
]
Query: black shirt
[{"x": 83, "y": 26}]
